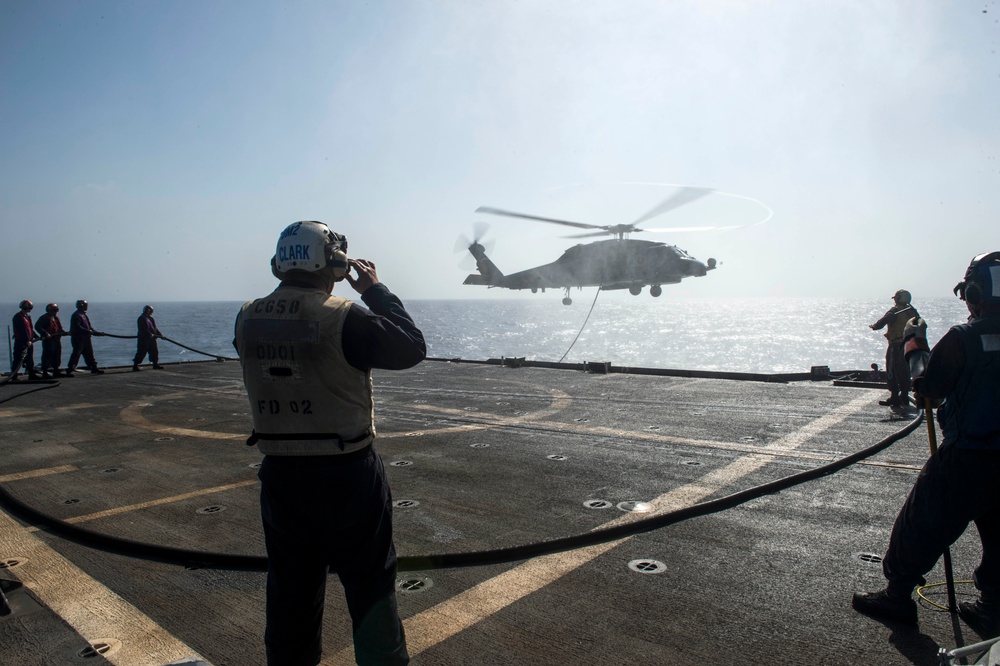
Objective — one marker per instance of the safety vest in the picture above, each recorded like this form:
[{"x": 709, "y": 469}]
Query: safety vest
[
  {"x": 306, "y": 399},
  {"x": 969, "y": 416},
  {"x": 894, "y": 332}
]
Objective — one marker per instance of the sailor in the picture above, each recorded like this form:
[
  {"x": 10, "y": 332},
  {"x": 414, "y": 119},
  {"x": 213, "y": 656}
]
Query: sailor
[
  {"x": 958, "y": 484},
  {"x": 146, "y": 340},
  {"x": 24, "y": 338},
  {"x": 897, "y": 371},
  {"x": 307, "y": 357},
  {"x": 81, "y": 333},
  {"x": 52, "y": 332}
]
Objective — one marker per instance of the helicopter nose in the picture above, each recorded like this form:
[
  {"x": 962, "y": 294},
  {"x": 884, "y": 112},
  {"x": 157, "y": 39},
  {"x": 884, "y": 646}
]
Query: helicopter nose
[{"x": 696, "y": 268}]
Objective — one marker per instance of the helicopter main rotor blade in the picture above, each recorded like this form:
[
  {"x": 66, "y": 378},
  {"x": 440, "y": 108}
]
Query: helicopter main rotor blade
[
  {"x": 686, "y": 229},
  {"x": 592, "y": 234},
  {"x": 507, "y": 213},
  {"x": 680, "y": 198}
]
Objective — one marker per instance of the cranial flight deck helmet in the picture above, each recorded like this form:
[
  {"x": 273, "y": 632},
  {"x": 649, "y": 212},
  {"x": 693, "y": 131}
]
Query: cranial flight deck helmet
[
  {"x": 81, "y": 304},
  {"x": 52, "y": 308},
  {"x": 981, "y": 285},
  {"x": 310, "y": 246},
  {"x": 26, "y": 305},
  {"x": 902, "y": 297}
]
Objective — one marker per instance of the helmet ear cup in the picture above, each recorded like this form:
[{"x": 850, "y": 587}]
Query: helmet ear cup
[
  {"x": 973, "y": 293},
  {"x": 337, "y": 262}
]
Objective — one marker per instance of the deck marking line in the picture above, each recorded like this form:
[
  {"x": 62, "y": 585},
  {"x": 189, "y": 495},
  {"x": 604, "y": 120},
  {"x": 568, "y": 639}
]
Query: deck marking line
[
  {"x": 90, "y": 608},
  {"x": 18, "y": 476},
  {"x": 151, "y": 503},
  {"x": 444, "y": 620}
]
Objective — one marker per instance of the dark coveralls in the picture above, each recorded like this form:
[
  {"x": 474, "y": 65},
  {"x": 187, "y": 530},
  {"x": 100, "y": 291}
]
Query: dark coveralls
[
  {"x": 958, "y": 484},
  {"x": 896, "y": 369},
  {"x": 24, "y": 334},
  {"x": 325, "y": 512},
  {"x": 51, "y": 330},
  {"x": 81, "y": 332},
  {"x": 146, "y": 340}
]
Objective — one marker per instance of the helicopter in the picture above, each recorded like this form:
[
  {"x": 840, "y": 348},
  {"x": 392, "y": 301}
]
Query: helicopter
[{"x": 618, "y": 263}]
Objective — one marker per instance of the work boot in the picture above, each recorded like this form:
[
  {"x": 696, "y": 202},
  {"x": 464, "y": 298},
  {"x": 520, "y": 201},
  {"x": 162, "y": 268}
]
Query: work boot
[
  {"x": 157, "y": 366},
  {"x": 69, "y": 372},
  {"x": 135, "y": 367},
  {"x": 983, "y": 618},
  {"x": 886, "y": 605},
  {"x": 893, "y": 401},
  {"x": 57, "y": 373},
  {"x": 34, "y": 375},
  {"x": 96, "y": 371}
]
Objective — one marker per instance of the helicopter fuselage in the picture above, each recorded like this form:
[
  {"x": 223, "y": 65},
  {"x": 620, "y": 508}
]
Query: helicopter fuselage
[{"x": 609, "y": 264}]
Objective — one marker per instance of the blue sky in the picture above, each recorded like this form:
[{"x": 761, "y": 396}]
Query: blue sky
[{"x": 154, "y": 150}]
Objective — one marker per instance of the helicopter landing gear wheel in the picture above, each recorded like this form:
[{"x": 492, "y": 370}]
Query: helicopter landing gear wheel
[
  {"x": 567, "y": 301},
  {"x": 655, "y": 290},
  {"x": 635, "y": 291}
]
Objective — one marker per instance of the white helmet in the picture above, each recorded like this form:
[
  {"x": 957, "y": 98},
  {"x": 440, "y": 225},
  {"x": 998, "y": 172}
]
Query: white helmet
[{"x": 310, "y": 246}]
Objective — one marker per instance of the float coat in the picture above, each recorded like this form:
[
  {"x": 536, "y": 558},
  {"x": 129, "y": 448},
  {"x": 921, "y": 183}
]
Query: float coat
[{"x": 296, "y": 384}]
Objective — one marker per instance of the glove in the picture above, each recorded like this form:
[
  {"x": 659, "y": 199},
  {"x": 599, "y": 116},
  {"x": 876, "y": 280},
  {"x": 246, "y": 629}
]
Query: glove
[
  {"x": 925, "y": 403},
  {"x": 98, "y": 333}
]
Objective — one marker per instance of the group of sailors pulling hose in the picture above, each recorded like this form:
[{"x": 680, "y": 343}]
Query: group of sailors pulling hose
[{"x": 49, "y": 331}]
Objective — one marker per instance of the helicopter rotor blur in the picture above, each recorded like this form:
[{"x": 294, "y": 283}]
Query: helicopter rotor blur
[{"x": 617, "y": 263}]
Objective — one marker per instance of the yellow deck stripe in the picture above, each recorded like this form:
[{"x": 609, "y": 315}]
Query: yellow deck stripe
[
  {"x": 18, "y": 476},
  {"x": 88, "y": 607}
]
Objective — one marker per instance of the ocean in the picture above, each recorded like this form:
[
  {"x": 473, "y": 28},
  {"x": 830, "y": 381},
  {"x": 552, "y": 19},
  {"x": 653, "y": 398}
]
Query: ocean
[{"x": 761, "y": 335}]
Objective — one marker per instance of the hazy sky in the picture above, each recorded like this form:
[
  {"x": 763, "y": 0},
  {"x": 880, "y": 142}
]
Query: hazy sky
[{"x": 154, "y": 150}]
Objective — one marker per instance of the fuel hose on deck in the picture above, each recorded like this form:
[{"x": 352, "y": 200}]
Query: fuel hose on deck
[
  {"x": 217, "y": 357},
  {"x": 208, "y": 560}
]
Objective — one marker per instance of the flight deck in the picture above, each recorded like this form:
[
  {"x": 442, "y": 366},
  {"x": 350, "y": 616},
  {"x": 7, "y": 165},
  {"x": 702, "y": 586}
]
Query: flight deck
[{"x": 482, "y": 458}]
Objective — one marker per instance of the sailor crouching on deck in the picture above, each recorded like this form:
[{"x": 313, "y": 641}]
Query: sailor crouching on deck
[
  {"x": 958, "y": 484},
  {"x": 325, "y": 502}
]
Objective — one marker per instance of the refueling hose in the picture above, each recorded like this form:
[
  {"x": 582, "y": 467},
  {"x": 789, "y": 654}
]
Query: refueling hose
[
  {"x": 201, "y": 559},
  {"x": 163, "y": 337}
]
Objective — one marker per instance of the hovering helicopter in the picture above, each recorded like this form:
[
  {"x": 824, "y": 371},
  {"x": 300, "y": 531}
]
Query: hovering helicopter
[{"x": 618, "y": 263}]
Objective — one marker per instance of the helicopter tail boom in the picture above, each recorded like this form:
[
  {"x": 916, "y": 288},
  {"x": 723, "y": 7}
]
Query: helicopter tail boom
[{"x": 489, "y": 274}]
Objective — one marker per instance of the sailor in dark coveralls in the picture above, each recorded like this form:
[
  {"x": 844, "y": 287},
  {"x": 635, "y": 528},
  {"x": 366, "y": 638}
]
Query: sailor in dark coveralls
[
  {"x": 146, "y": 340},
  {"x": 959, "y": 483},
  {"x": 80, "y": 332},
  {"x": 24, "y": 336},
  {"x": 52, "y": 332},
  {"x": 325, "y": 502}
]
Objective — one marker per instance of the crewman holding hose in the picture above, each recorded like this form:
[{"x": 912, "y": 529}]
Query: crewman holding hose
[
  {"x": 325, "y": 502},
  {"x": 146, "y": 340},
  {"x": 81, "y": 332},
  {"x": 958, "y": 484},
  {"x": 52, "y": 332},
  {"x": 24, "y": 338},
  {"x": 894, "y": 320}
]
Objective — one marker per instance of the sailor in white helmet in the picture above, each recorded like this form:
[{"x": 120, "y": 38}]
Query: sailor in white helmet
[{"x": 325, "y": 503}]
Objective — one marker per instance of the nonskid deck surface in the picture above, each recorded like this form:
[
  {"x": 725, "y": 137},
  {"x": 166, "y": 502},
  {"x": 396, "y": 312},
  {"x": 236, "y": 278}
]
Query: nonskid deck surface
[{"x": 480, "y": 457}]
